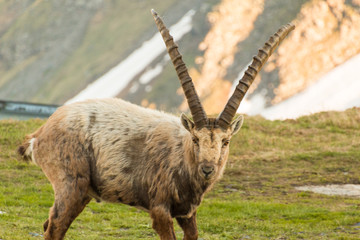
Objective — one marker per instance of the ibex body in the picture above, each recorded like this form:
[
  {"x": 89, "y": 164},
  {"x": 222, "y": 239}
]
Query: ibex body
[{"x": 115, "y": 151}]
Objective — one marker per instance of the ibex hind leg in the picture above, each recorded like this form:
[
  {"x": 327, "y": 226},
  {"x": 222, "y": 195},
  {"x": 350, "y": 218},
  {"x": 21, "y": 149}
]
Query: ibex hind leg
[
  {"x": 70, "y": 186},
  {"x": 70, "y": 199}
]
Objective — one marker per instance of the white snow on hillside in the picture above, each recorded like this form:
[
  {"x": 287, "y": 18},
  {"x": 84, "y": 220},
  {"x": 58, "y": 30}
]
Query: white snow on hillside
[
  {"x": 337, "y": 90},
  {"x": 111, "y": 83}
]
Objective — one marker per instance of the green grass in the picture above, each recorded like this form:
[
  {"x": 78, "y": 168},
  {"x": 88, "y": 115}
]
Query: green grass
[{"x": 256, "y": 198}]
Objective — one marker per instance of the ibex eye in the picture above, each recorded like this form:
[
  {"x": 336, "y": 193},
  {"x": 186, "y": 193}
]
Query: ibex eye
[{"x": 226, "y": 142}]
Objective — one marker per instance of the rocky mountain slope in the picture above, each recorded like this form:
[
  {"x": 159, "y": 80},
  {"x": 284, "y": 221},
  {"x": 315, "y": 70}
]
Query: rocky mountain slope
[
  {"x": 50, "y": 51},
  {"x": 325, "y": 36}
]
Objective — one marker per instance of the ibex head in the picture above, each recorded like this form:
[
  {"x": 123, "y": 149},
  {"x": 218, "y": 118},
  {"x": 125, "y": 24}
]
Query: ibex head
[
  {"x": 211, "y": 144},
  {"x": 211, "y": 136}
]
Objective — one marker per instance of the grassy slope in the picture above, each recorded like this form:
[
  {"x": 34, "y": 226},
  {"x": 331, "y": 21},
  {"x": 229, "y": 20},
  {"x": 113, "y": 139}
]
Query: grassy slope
[
  {"x": 255, "y": 199},
  {"x": 116, "y": 28},
  {"x": 111, "y": 34}
]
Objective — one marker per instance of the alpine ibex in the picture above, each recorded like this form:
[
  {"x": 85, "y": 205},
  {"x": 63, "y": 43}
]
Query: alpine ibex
[{"x": 118, "y": 152}]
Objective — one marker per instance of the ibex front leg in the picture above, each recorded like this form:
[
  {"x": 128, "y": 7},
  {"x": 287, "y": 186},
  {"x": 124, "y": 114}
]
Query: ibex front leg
[
  {"x": 189, "y": 227},
  {"x": 163, "y": 223}
]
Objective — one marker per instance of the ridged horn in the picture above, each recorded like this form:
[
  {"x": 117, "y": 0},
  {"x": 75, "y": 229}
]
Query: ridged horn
[
  {"x": 226, "y": 116},
  {"x": 196, "y": 109}
]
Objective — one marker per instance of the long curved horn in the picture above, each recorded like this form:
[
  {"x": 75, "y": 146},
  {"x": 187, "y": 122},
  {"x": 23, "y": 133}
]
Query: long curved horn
[
  {"x": 226, "y": 116},
  {"x": 196, "y": 109}
]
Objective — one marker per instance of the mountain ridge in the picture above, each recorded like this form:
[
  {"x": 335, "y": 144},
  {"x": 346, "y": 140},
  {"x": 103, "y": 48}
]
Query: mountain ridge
[{"x": 71, "y": 45}]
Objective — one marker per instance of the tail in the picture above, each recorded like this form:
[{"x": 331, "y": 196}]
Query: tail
[{"x": 25, "y": 150}]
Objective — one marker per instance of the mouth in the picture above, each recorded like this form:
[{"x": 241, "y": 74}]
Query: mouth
[
  {"x": 207, "y": 177},
  {"x": 207, "y": 171}
]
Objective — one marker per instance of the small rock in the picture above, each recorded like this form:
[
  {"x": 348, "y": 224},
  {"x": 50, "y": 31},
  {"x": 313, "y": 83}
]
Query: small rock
[
  {"x": 35, "y": 234},
  {"x": 231, "y": 188}
]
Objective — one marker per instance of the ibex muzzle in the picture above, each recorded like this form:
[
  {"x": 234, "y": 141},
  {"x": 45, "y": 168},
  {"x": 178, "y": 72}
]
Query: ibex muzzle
[
  {"x": 115, "y": 151},
  {"x": 208, "y": 170}
]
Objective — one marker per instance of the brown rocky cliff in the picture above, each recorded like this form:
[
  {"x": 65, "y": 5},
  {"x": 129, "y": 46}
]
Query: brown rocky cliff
[
  {"x": 326, "y": 35},
  {"x": 219, "y": 45}
]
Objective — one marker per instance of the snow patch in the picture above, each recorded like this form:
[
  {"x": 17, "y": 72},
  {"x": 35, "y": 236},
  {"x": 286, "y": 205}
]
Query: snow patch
[
  {"x": 153, "y": 72},
  {"x": 335, "y": 91},
  {"x": 111, "y": 83},
  {"x": 334, "y": 189}
]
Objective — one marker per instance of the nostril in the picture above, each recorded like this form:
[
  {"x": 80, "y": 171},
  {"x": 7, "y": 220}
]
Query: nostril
[{"x": 207, "y": 169}]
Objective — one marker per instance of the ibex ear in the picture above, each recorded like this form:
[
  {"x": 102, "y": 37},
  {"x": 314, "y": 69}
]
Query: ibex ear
[
  {"x": 186, "y": 122},
  {"x": 236, "y": 124}
]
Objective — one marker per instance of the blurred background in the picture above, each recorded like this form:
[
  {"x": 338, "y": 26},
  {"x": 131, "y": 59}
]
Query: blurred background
[{"x": 58, "y": 52}]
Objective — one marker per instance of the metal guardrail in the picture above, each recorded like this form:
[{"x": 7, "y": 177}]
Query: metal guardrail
[{"x": 25, "y": 110}]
